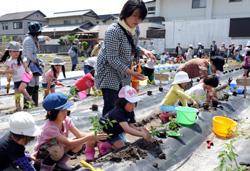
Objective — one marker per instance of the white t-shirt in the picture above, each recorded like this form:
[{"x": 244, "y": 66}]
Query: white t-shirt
[
  {"x": 19, "y": 70},
  {"x": 198, "y": 93}
]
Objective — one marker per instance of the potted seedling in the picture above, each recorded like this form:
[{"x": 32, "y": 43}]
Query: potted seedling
[
  {"x": 94, "y": 107},
  {"x": 173, "y": 128},
  {"x": 149, "y": 93},
  {"x": 215, "y": 103},
  {"x": 154, "y": 132},
  {"x": 205, "y": 106}
]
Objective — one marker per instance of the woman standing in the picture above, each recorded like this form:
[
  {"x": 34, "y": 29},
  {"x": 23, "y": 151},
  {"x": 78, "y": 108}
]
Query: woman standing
[
  {"x": 30, "y": 50},
  {"x": 118, "y": 52}
]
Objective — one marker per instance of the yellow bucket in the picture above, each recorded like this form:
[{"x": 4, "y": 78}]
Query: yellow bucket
[{"x": 224, "y": 127}]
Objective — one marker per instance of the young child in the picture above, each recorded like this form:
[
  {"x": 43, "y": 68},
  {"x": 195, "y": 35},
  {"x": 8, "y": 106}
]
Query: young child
[
  {"x": 175, "y": 94},
  {"x": 54, "y": 147},
  {"x": 17, "y": 67},
  {"x": 50, "y": 77},
  {"x": 86, "y": 82},
  {"x": 203, "y": 92},
  {"x": 12, "y": 145},
  {"x": 124, "y": 116},
  {"x": 89, "y": 64},
  {"x": 148, "y": 70},
  {"x": 246, "y": 63}
]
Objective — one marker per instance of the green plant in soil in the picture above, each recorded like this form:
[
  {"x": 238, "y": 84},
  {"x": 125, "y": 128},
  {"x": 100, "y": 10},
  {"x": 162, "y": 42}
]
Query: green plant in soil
[
  {"x": 154, "y": 132},
  {"x": 228, "y": 159},
  {"x": 172, "y": 125},
  {"x": 97, "y": 127}
]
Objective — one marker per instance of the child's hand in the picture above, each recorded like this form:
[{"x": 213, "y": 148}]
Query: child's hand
[
  {"x": 148, "y": 137},
  {"x": 195, "y": 104},
  {"x": 139, "y": 76},
  {"x": 101, "y": 136}
]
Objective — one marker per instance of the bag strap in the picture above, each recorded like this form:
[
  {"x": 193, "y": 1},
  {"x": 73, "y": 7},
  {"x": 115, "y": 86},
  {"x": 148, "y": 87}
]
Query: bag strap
[{"x": 130, "y": 39}]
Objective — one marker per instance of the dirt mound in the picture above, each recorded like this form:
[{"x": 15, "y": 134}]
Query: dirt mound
[{"x": 135, "y": 151}]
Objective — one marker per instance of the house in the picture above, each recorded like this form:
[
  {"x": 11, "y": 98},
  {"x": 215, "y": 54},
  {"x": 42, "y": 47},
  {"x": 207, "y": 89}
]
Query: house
[
  {"x": 71, "y": 22},
  {"x": 15, "y": 25},
  {"x": 193, "y": 21}
]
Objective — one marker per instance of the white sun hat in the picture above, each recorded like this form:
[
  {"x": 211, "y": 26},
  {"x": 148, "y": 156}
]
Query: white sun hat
[
  {"x": 129, "y": 93},
  {"x": 181, "y": 77},
  {"x": 150, "y": 64},
  {"x": 57, "y": 61},
  {"x": 22, "y": 123}
]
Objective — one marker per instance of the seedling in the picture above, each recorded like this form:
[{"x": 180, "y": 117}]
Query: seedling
[
  {"x": 97, "y": 126},
  {"x": 154, "y": 132},
  {"x": 172, "y": 125},
  {"x": 228, "y": 159}
]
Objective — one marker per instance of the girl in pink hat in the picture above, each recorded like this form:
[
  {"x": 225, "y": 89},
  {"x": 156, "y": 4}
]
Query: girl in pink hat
[{"x": 123, "y": 117}]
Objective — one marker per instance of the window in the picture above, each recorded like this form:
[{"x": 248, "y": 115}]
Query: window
[
  {"x": 151, "y": 8},
  {"x": 239, "y": 27},
  {"x": 67, "y": 22},
  {"x": 235, "y": 0},
  {"x": 5, "y": 26},
  {"x": 17, "y": 25},
  {"x": 199, "y": 3}
]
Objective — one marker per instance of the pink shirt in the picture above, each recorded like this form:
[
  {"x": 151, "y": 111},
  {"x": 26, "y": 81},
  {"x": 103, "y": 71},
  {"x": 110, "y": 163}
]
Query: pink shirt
[
  {"x": 50, "y": 130},
  {"x": 49, "y": 75}
]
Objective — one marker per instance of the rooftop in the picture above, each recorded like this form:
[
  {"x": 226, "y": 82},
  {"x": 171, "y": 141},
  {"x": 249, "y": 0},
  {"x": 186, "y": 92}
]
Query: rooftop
[{"x": 19, "y": 15}]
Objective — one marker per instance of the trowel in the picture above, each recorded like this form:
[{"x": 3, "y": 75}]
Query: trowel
[{"x": 89, "y": 166}]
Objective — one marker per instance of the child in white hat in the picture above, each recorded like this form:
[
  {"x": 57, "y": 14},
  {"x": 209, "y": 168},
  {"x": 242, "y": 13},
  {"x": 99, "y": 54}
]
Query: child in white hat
[
  {"x": 50, "y": 77},
  {"x": 175, "y": 94},
  {"x": 12, "y": 145}
]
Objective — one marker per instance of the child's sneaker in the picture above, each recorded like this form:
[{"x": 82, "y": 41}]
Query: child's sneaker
[
  {"x": 89, "y": 153},
  {"x": 104, "y": 148}
]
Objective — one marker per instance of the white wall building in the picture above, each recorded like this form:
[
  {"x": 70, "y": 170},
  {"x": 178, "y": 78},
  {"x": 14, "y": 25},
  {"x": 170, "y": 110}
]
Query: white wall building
[{"x": 193, "y": 21}]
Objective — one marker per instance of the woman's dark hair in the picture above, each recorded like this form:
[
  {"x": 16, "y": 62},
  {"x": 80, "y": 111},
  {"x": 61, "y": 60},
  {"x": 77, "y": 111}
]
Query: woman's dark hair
[
  {"x": 248, "y": 53},
  {"x": 35, "y": 34},
  {"x": 130, "y": 6},
  {"x": 6, "y": 56},
  {"x": 52, "y": 115},
  {"x": 218, "y": 62},
  {"x": 211, "y": 80},
  {"x": 121, "y": 103},
  {"x": 54, "y": 71}
]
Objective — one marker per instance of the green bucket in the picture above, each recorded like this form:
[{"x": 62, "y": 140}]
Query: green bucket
[{"x": 186, "y": 115}]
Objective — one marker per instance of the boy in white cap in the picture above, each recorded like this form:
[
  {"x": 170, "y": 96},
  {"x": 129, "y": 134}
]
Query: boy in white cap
[
  {"x": 175, "y": 94},
  {"x": 12, "y": 145},
  {"x": 124, "y": 115}
]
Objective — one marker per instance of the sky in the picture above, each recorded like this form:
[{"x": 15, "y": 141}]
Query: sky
[{"x": 48, "y": 7}]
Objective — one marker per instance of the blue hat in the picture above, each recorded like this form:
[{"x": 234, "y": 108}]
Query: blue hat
[{"x": 57, "y": 101}]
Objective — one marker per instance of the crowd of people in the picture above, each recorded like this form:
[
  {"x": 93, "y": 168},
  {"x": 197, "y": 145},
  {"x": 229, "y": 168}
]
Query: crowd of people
[{"x": 115, "y": 62}]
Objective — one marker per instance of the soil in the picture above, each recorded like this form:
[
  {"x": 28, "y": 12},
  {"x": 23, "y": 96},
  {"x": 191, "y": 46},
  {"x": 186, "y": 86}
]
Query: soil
[{"x": 135, "y": 151}]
